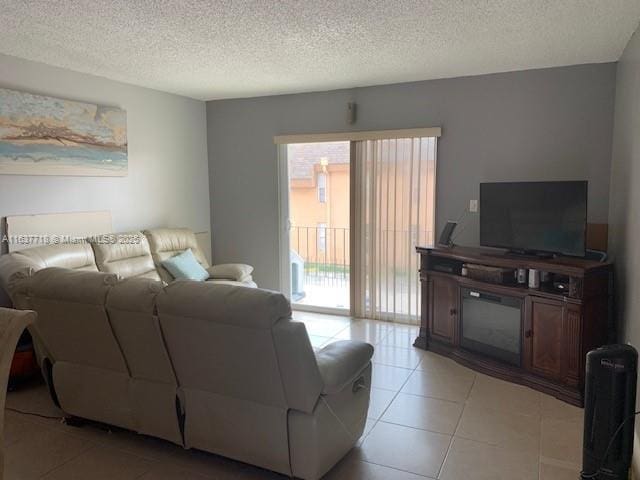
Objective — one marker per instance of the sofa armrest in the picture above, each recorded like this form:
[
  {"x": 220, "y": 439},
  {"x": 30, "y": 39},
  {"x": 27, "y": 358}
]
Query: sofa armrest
[
  {"x": 13, "y": 269},
  {"x": 341, "y": 362},
  {"x": 238, "y": 272}
]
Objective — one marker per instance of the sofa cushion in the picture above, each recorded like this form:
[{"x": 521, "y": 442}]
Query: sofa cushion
[
  {"x": 131, "y": 305},
  {"x": 230, "y": 271},
  {"x": 16, "y": 267},
  {"x": 168, "y": 242},
  {"x": 15, "y": 271},
  {"x": 76, "y": 256},
  {"x": 184, "y": 266},
  {"x": 72, "y": 318},
  {"x": 239, "y": 307},
  {"x": 124, "y": 254}
]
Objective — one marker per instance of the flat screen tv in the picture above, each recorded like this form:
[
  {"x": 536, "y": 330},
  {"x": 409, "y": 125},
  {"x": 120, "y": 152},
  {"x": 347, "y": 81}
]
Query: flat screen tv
[{"x": 534, "y": 217}]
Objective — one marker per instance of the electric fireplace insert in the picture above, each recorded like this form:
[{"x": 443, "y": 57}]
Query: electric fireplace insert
[{"x": 492, "y": 325}]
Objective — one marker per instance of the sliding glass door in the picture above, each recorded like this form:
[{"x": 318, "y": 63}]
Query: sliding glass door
[
  {"x": 319, "y": 225},
  {"x": 352, "y": 213}
]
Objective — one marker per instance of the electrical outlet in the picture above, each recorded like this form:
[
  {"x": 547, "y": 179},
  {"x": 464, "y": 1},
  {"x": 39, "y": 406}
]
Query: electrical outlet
[{"x": 473, "y": 206}]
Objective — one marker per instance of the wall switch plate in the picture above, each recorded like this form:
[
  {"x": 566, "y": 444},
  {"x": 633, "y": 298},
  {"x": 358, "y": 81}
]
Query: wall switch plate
[{"x": 473, "y": 206}]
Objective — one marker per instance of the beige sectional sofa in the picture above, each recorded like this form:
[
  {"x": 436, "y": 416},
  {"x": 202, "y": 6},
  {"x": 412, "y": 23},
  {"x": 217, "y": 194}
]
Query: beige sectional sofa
[
  {"x": 129, "y": 254},
  {"x": 211, "y": 366}
]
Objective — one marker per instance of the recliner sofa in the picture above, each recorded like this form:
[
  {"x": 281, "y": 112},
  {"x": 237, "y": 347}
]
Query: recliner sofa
[
  {"x": 128, "y": 254},
  {"x": 211, "y": 366}
]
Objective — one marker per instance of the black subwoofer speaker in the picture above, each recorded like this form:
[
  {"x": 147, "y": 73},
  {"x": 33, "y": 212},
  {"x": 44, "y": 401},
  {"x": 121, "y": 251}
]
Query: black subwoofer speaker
[{"x": 610, "y": 400}]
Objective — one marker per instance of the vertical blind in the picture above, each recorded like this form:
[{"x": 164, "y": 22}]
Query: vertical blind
[{"x": 394, "y": 207}]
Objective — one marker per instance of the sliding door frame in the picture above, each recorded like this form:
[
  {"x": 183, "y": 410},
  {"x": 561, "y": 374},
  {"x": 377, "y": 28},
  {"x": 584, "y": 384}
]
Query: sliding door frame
[
  {"x": 281, "y": 141},
  {"x": 284, "y": 223},
  {"x": 354, "y": 227}
]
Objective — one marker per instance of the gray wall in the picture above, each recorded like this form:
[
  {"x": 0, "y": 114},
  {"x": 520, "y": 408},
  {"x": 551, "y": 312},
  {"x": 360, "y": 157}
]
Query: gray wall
[
  {"x": 624, "y": 230},
  {"x": 551, "y": 124},
  {"x": 624, "y": 203},
  {"x": 624, "y": 208},
  {"x": 168, "y": 172}
]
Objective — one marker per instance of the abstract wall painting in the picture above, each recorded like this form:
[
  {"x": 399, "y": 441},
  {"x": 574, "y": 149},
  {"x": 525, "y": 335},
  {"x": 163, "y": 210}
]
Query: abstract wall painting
[{"x": 50, "y": 136}]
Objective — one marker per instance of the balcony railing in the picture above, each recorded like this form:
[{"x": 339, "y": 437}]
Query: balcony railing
[
  {"x": 320, "y": 267},
  {"x": 325, "y": 251}
]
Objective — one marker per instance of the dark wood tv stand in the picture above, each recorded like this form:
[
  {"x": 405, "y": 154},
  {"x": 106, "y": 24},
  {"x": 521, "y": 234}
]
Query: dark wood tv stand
[{"x": 557, "y": 329}]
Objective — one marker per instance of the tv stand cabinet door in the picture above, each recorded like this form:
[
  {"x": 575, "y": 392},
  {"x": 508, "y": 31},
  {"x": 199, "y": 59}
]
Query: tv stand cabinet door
[
  {"x": 544, "y": 345},
  {"x": 443, "y": 309}
]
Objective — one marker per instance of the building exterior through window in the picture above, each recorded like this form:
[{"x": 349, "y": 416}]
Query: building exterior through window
[{"x": 319, "y": 216}]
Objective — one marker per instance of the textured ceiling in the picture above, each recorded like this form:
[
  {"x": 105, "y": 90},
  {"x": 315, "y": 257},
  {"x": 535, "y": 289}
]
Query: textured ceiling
[{"x": 211, "y": 49}]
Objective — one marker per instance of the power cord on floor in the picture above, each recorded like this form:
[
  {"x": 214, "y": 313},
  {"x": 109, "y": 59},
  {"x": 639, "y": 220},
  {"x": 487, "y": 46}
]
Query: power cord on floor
[
  {"x": 606, "y": 452},
  {"x": 32, "y": 414}
]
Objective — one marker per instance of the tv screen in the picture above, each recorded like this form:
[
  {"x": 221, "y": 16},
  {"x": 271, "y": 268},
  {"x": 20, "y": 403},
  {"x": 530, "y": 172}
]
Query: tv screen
[{"x": 548, "y": 217}]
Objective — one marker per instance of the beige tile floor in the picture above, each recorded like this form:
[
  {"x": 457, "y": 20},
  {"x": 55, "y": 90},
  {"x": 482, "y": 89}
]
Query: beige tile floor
[{"x": 429, "y": 418}]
